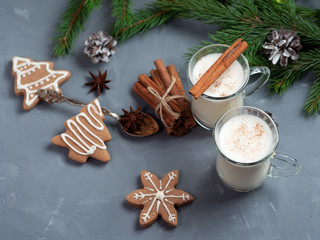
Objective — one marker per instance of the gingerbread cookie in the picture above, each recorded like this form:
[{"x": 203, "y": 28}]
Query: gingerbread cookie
[
  {"x": 158, "y": 198},
  {"x": 31, "y": 76},
  {"x": 86, "y": 134}
]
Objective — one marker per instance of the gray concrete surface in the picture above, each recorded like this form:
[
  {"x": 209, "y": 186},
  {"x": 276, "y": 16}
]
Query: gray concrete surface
[{"x": 44, "y": 195}]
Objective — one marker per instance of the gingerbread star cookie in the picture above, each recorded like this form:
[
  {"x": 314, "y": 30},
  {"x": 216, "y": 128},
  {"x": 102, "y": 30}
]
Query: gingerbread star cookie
[
  {"x": 31, "y": 76},
  {"x": 158, "y": 197},
  {"x": 85, "y": 135}
]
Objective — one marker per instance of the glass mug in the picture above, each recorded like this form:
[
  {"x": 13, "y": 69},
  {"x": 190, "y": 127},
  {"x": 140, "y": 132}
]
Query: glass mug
[
  {"x": 245, "y": 177},
  {"x": 207, "y": 109}
]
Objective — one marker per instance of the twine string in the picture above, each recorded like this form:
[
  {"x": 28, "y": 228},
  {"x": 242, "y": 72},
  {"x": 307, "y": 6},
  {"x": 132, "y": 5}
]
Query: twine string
[{"x": 163, "y": 101}]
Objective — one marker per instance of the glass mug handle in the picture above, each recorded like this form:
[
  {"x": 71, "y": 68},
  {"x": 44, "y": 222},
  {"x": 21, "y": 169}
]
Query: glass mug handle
[
  {"x": 254, "y": 86},
  {"x": 283, "y": 166}
]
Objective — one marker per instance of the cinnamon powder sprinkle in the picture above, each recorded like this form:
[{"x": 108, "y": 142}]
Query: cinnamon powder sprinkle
[{"x": 245, "y": 138}]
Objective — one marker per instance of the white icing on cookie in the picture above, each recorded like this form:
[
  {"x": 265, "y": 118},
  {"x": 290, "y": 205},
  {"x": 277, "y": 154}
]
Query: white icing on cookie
[
  {"x": 87, "y": 134},
  {"x": 24, "y": 63},
  {"x": 159, "y": 197}
]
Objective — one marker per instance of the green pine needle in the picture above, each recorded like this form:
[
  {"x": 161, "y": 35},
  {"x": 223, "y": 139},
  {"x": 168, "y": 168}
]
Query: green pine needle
[
  {"x": 122, "y": 11},
  {"x": 72, "y": 22},
  {"x": 312, "y": 105},
  {"x": 142, "y": 21}
]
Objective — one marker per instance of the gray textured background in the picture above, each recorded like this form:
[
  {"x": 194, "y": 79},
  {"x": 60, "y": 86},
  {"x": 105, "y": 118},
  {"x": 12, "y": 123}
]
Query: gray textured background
[{"x": 44, "y": 195}]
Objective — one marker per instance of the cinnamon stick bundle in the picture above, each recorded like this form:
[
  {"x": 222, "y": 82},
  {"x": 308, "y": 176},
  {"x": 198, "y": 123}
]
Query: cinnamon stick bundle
[
  {"x": 142, "y": 91},
  {"x": 159, "y": 89},
  {"x": 221, "y": 65}
]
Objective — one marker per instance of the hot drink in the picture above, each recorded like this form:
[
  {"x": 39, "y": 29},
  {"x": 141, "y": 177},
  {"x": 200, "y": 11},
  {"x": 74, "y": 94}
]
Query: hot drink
[
  {"x": 228, "y": 83},
  {"x": 228, "y": 91},
  {"x": 246, "y": 139}
]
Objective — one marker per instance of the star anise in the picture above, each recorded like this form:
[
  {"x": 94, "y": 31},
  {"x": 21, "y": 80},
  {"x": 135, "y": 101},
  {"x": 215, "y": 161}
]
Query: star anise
[
  {"x": 99, "y": 82},
  {"x": 132, "y": 120}
]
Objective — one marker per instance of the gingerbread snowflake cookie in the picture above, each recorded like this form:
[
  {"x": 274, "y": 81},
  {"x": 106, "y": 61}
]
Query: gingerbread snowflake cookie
[
  {"x": 31, "y": 76},
  {"x": 158, "y": 197},
  {"x": 86, "y": 134}
]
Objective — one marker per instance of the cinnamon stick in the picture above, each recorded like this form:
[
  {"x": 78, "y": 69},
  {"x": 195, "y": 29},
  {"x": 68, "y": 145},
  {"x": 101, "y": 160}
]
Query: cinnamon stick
[
  {"x": 147, "y": 82},
  {"x": 214, "y": 72},
  {"x": 142, "y": 91},
  {"x": 154, "y": 75},
  {"x": 159, "y": 77},
  {"x": 139, "y": 89},
  {"x": 178, "y": 89},
  {"x": 163, "y": 72}
]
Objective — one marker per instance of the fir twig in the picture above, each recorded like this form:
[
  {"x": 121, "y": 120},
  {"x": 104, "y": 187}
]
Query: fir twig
[
  {"x": 312, "y": 105},
  {"x": 72, "y": 22},
  {"x": 283, "y": 78},
  {"x": 312, "y": 14},
  {"x": 144, "y": 19},
  {"x": 122, "y": 11}
]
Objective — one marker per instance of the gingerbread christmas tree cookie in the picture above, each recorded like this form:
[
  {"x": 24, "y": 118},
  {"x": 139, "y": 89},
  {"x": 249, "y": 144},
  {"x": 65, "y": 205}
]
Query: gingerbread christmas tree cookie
[
  {"x": 85, "y": 135},
  {"x": 158, "y": 197},
  {"x": 31, "y": 76}
]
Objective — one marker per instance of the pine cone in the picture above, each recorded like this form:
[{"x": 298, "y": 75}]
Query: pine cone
[
  {"x": 283, "y": 45},
  {"x": 100, "y": 47}
]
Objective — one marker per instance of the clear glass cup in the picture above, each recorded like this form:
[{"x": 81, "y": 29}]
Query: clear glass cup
[
  {"x": 244, "y": 177},
  {"x": 207, "y": 109}
]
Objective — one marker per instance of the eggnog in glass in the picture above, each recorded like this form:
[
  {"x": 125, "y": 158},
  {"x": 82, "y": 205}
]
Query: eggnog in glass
[
  {"x": 246, "y": 139},
  {"x": 228, "y": 91}
]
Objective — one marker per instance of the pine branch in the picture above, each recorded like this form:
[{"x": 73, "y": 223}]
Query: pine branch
[
  {"x": 246, "y": 13},
  {"x": 202, "y": 10},
  {"x": 285, "y": 77},
  {"x": 122, "y": 11},
  {"x": 72, "y": 22},
  {"x": 145, "y": 19},
  {"x": 312, "y": 105},
  {"x": 312, "y": 14}
]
